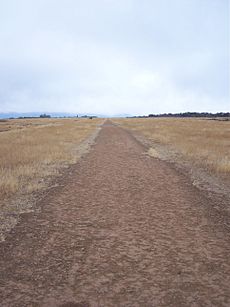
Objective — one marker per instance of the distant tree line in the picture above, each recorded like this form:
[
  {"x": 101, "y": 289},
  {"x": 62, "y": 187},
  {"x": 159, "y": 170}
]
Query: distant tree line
[
  {"x": 191, "y": 114},
  {"x": 45, "y": 116},
  {"x": 30, "y": 117}
]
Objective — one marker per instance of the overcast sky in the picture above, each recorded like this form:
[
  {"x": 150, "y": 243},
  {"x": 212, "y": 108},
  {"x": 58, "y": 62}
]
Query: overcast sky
[{"x": 114, "y": 56}]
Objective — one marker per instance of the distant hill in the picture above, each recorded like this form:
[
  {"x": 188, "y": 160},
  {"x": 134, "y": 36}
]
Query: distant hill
[{"x": 37, "y": 114}]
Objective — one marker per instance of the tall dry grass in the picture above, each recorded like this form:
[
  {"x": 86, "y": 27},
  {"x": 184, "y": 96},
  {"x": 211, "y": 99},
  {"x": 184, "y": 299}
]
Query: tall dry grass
[
  {"x": 205, "y": 142},
  {"x": 32, "y": 150}
]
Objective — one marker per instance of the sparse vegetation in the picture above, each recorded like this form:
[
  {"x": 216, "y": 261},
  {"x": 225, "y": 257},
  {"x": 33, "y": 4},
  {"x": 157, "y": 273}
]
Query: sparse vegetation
[
  {"x": 33, "y": 149},
  {"x": 205, "y": 142}
]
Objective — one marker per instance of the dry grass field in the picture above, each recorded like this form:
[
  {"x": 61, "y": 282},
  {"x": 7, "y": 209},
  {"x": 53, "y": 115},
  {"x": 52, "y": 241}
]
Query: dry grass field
[
  {"x": 205, "y": 142},
  {"x": 117, "y": 229},
  {"x": 33, "y": 149}
]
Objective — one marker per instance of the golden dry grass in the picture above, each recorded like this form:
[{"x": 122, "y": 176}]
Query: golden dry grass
[
  {"x": 33, "y": 149},
  {"x": 205, "y": 142}
]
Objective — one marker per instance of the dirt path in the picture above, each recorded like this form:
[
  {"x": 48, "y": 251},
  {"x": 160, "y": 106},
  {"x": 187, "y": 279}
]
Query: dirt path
[{"x": 123, "y": 229}]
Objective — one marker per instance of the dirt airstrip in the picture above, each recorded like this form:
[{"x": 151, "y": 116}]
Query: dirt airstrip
[{"x": 121, "y": 229}]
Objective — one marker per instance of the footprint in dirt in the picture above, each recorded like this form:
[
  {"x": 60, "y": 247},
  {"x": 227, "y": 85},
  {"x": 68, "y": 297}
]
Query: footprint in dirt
[{"x": 72, "y": 304}]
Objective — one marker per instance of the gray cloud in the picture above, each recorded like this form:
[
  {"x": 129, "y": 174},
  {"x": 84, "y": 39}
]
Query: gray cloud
[{"x": 112, "y": 57}]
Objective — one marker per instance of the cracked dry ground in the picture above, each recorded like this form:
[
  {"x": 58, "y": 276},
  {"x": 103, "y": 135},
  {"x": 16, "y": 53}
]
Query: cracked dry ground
[{"x": 122, "y": 229}]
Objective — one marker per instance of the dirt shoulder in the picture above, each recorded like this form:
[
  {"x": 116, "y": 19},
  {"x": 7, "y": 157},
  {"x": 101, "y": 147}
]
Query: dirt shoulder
[
  {"x": 14, "y": 206},
  {"x": 122, "y": 229},
  {"x": 214, "y": 186}
]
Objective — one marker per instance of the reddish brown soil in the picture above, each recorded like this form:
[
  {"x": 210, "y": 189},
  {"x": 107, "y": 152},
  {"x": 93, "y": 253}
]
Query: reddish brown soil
[{"x": 123, "y": 229}]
